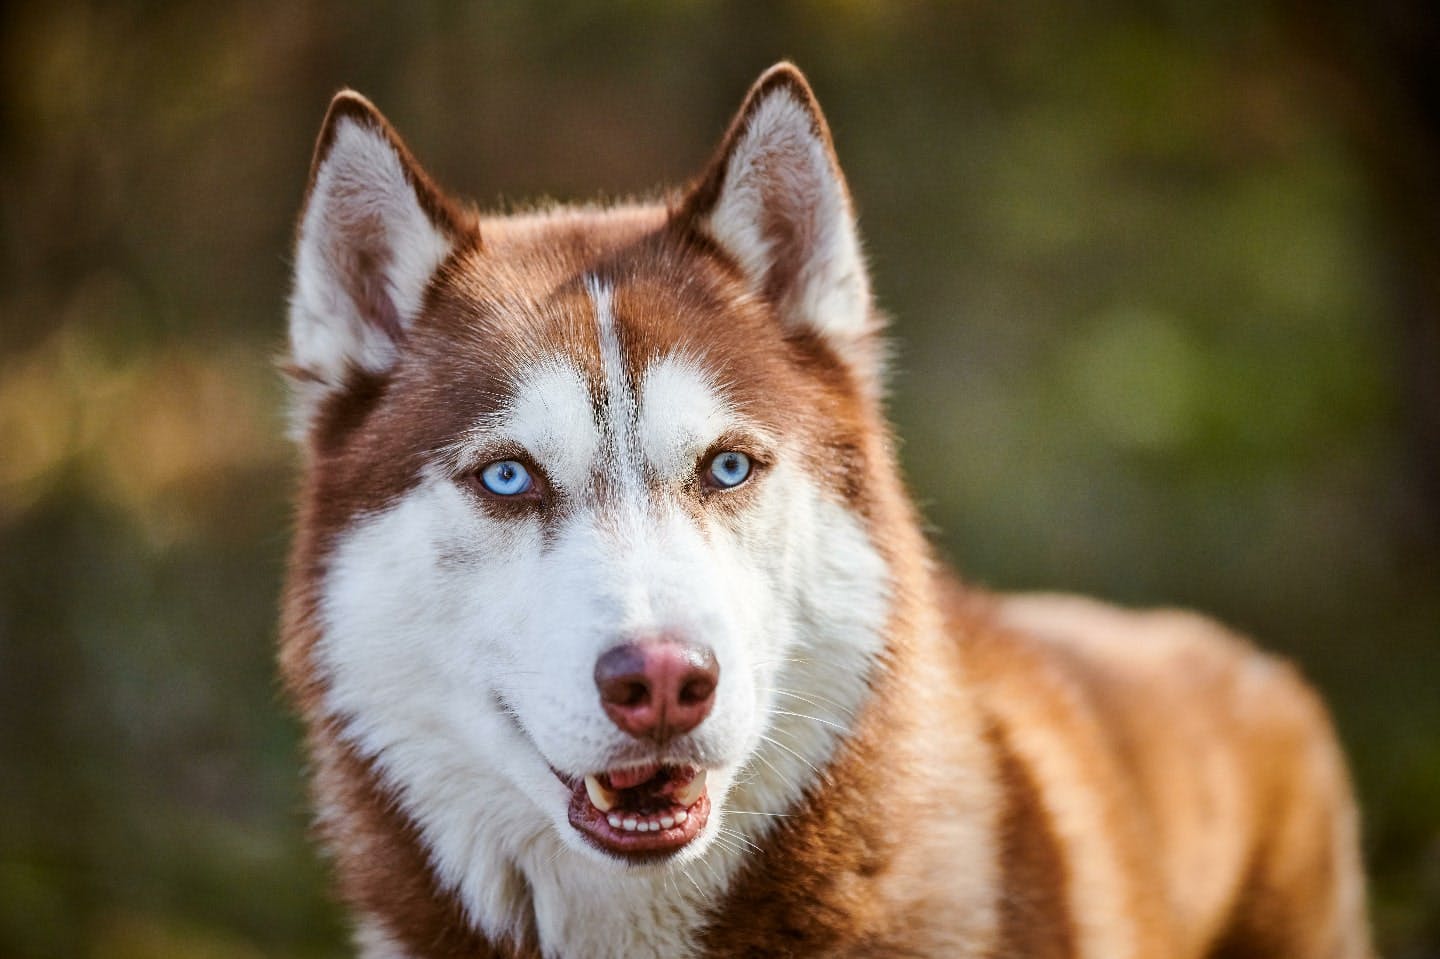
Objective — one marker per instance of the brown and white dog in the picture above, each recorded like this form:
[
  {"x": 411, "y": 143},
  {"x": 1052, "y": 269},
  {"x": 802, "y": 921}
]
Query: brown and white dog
[{"x": 616, "y": 633}]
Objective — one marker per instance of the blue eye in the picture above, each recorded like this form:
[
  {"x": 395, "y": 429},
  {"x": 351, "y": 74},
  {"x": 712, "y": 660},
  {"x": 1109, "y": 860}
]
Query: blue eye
[
  {"x": 729, "y": 468},
  {"x": 506, "y": 478}
]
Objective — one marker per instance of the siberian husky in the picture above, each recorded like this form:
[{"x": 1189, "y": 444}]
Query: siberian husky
[{"x": 616, "y": 634}]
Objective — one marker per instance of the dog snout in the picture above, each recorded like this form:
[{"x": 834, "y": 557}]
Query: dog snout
[{"x": 657, "y": 688}]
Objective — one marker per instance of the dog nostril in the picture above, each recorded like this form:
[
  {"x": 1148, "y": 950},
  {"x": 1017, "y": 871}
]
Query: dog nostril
[
  {"x": 625, "y": 692},
  {"x": 696, "y": 691},
  {"x": 620, "y": 677}
]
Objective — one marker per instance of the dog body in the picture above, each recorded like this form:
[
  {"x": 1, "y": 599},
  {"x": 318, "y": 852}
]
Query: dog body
[{"x": 615, "y": 632}]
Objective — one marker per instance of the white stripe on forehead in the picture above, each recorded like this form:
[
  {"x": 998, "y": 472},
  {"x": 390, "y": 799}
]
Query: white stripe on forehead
[{"x": 619, "y": 419}]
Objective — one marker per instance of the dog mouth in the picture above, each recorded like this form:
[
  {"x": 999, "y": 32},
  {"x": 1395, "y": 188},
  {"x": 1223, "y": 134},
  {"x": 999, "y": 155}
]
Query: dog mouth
[{"x": 640, "y": 812}]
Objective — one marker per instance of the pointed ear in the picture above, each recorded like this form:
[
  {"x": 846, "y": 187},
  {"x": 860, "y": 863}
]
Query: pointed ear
[
  {"x": 774, "y": 200},
  {"x": 373, "y": 231}
]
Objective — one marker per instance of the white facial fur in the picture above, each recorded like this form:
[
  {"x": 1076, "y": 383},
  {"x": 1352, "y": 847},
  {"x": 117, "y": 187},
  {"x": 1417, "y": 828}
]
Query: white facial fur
[{"x": 458, "y": 648}]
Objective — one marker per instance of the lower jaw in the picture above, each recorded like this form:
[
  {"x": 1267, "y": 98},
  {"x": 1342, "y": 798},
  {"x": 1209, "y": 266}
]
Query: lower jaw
[{"x": 647, "y": 846}]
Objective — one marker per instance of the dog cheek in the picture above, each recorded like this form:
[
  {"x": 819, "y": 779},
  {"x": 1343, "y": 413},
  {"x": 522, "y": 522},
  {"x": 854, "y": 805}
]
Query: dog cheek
[
  {"x": 544, "y": 668},
  {"x": 746, "y": 586}
]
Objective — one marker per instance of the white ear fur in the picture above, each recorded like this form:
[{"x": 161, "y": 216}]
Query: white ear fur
[
  {"x": 776, "y": 201},
  {"x": 373, "y": 231}
]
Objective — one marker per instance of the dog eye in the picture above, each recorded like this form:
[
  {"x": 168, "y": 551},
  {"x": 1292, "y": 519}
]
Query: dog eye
[
  {"x": 506, "y": 478},
  {"x": 727, "y": 469}
]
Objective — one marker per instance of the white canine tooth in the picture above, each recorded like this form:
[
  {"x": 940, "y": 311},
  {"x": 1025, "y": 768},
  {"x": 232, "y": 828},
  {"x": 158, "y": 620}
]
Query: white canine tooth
[
  {"x": 614, "y": 820},
  {"x": 602, "y": 798},
  {"x": 681, "y": 816},
  {"x": 692, "y": 792},
  {"x": 628, "y": 825},
  {"x": 667, "y": 821}
]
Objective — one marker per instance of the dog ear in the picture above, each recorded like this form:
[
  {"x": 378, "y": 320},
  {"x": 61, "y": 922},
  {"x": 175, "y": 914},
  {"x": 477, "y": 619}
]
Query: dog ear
[
  {"x": 373, "y": 230},
  {"x": 774, "y": 199}
]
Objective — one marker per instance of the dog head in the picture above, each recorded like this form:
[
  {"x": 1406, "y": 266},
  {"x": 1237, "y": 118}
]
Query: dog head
[{"x": 588, "y": 558}]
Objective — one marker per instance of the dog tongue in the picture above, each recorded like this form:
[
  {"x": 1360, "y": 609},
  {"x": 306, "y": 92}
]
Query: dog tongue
[{"x": 629, "y": 778}]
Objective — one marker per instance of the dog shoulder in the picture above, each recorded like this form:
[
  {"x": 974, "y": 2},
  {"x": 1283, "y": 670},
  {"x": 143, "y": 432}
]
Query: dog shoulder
[{"x": 1187, "y": 746}]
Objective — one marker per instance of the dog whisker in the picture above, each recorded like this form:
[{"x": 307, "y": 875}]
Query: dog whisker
[
  {"x": 762, "y": 758},
  {"x": 814, "y": 699},
  {"x": 779, "y": 745},
  {"x": 817, "y": 719},
  {"x": 737, "y": 837},
  {"x": 691, "y": 880}
]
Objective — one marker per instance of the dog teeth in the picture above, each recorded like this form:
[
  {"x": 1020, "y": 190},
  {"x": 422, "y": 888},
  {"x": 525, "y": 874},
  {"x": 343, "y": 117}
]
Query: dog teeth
[
  {"x": 607, "y": 800},
  {"x": 635, "y": 824},
  {"x": 602, "y": 798},
  {"x": 693, "y": 791}
]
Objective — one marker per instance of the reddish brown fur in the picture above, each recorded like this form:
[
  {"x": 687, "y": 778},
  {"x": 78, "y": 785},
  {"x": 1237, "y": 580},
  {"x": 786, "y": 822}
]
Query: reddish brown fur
[{"x": 1036, "y": 704}]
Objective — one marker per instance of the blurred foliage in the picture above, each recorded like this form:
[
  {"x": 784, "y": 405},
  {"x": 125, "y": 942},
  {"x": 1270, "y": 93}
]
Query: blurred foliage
[{"x": 1147, "y": 347}]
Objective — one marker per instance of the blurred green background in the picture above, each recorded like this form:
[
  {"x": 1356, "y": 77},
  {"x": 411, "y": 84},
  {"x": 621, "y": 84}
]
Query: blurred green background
[{"x": 1164, "y": 281}]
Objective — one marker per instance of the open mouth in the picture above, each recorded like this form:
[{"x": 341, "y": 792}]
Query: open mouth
[{"x": 645, "y": 812}]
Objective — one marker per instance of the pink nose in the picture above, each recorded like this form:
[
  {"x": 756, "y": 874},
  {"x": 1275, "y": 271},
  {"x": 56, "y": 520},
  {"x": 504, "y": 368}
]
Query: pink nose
[{"x": 657, "y": 688}]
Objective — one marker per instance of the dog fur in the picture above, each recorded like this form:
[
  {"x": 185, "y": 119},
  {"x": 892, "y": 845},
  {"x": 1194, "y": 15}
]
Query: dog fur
[{"x": 898, "y": 765}]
